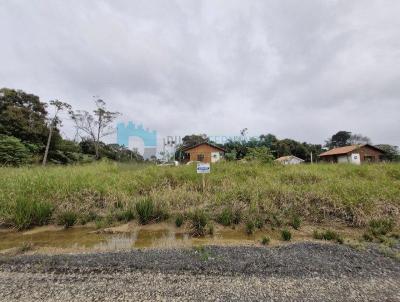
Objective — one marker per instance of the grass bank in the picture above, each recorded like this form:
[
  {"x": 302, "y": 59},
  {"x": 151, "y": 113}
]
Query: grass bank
[{"x": 249, "y": 193}]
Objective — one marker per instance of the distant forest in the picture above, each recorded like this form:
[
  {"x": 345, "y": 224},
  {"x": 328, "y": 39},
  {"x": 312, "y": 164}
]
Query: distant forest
[{"x": 29, "y": 134}]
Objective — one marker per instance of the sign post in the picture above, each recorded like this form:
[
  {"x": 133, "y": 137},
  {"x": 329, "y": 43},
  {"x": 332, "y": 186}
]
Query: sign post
[{"x": 203, "y": 169}]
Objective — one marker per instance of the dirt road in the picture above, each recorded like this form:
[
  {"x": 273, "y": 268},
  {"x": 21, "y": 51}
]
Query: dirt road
[{"x": 296, "y": 272}]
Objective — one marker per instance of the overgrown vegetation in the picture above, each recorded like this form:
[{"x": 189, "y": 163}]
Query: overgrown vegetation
[
  {"x": 266, "y": 194},
  {"x": 67, "y": 219},
  {"x": 329, "y": 235}
]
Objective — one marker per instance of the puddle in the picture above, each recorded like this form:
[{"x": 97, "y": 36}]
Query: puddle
[{"x": 80, "y": 239}]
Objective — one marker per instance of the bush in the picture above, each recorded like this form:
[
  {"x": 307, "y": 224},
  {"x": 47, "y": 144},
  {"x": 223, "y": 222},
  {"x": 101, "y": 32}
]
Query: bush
[
  {"x": 296, "y": 222},
  {"x": 145, "y": 210},
  {"x": 67, "y": 218},
  {"x": 179, "y": 220},
  {"x": 265, "y": 240},
  {"x": 30, "y": 213},
  {"x": 199, "y": 221},
  {"x": 12, "y": 151},
  {"x": 125, "y": 215},
  {"x": 286, "y": 235},
  {"x": 225, "y": 217},
  {"x": 381, "y": 226},
  {"x": 250, "y": 227},
  {"x": 210, "y": 228},
  {"x": 328, "y": 235}
]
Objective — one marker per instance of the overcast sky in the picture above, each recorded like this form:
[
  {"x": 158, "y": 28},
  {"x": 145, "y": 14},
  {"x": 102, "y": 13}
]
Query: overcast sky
[{"x": 298, "y": 69}]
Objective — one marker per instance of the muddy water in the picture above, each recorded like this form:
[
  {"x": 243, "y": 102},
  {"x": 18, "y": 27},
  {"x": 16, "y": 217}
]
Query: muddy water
[
  {"x": 82, "y": 238},
  {"x": 125, "y": 237}
]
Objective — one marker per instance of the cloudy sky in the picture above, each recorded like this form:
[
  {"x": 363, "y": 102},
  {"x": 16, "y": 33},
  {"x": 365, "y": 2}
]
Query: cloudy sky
[{"x": 298, "y": 69}]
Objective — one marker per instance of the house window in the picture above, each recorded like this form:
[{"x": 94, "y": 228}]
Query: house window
[{"x": 200, "y": 157}]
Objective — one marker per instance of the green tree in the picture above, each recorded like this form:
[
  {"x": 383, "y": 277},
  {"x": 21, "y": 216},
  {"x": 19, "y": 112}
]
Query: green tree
[
  {"x": 340, "y": 139},
  {"x": 58, "y": 106},
  {"x": 194, "y": 139},
  {"x": 23, "y": 116},
  {"x": 12, "y": 151},
  {"x": 391, "y": 152},
  {"x": 262, "y": 154}
]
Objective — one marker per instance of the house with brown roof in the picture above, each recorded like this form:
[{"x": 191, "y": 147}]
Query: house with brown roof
[
  {"x": 204, "y": 152},
  {"x": 355, "y": 154}
]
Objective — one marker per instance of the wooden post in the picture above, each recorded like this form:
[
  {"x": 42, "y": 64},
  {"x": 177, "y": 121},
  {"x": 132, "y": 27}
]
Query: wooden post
[{"x": 204, "y": 181}]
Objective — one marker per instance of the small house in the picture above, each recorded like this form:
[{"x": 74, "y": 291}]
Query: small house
[
  {"x": 289, "y": 160},
  {"x": 355, "y": 154},
  {"x": 204, "y": 152}
]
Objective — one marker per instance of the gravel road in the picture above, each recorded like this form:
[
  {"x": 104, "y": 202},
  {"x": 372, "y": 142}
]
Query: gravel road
[{"x": 295, "y": 272}]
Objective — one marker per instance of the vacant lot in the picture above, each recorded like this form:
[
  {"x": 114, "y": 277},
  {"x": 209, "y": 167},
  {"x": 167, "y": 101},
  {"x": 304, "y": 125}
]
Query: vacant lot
[{"x": 235, "y": 192}]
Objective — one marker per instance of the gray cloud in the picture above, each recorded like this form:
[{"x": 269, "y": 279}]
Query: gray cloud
[{"x": 297, "y": 69}]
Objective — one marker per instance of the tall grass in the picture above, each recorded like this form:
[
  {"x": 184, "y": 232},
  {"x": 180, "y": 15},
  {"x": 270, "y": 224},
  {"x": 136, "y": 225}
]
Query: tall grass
[{"x": 352, "y": 194}]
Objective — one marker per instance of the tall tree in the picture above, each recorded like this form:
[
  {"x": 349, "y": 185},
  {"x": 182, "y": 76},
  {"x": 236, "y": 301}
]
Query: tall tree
[
  {"x": 96, "y": 125},
  {"x": 54, "y": 121},
  {"x": 340, "y": 139},
  {"x": 23, "y": 116},
  {"x": 194, "y": 139},
  {"x": 359, "y": 139}
]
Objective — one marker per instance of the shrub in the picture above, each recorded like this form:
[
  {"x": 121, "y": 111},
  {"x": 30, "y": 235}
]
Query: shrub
[
  {"x": 381, "y": 226},
  {"x": 179, "y": 220},
  {"x": 296, "y": 222},
  {"x": 250, "y": 227},
  {"x": 225, "y": 217},
  {"x": 85, "y": 218},
  {"x": 265, "y": 240},
  {"x": 199, "y": 221},
  {"x": 145, "y": 210},
  {"x": 67, "y": 218},
  {"x": 261, "y": 154},
  {"x": 286, "y": 235},
  {"x": 125, "y": 215},
  {"x": 328, "y": 235},
  {"x": 12, "y": 151}
]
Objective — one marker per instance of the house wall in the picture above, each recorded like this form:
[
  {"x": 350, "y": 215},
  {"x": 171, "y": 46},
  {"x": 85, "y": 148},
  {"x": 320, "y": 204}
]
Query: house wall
[
  {"x": 368, "y": 154},
  {"x": 205, "y": 150}
]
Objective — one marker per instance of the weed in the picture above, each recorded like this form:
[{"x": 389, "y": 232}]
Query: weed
[
  {"x": 31, "y": 213},
  {"x": 25, "y": 247},
  {"x": 328, "y": 235},
  {"x": 296, "y": 222},
  {"x": 225, "y": 217},
  {"x": 265, "y": 240},
  {"x": 286, "y": 235},
  {"x": 67, "y": 218},
  {"x": 250, "y": 227},
  {"x": 85, "y": 218},
  {"x": 202, "y": 252},
  {"x": 179, "y": 220},
  {"x": 368, "y": 237},
  {"x": 210, "y": 228},
  {"x": 125, "y": 215},
  {"x": 199, "y": 221},
  {"x": 145, "y": 210},
  {"x": 381, "y": 226}
]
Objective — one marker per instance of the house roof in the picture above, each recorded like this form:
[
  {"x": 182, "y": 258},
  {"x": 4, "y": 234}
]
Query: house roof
[
  {"x": 347, "y": 149},
  {"x": 288, "y": 157},
  {"x": 203, "y": 143}
]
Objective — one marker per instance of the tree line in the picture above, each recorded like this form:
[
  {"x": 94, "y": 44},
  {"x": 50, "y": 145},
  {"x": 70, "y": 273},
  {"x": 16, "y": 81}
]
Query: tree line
[
  {"x": 30, "y": 134},
  {"x": 268, "y": 147}
]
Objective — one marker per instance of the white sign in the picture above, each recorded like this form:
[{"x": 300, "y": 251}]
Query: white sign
[{"x": 203, "y": 168}]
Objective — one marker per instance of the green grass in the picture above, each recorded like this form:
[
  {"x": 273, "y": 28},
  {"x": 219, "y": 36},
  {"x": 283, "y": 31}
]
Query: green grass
[
  {"x": 328, "y": 235},
  {"x": 286, "y": 235},
  {"x": 355, "y": 195}
]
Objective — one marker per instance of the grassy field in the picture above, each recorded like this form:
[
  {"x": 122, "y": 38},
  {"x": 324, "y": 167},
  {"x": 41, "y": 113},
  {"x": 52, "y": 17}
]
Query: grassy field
[{"x": 235, "y": 192}]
